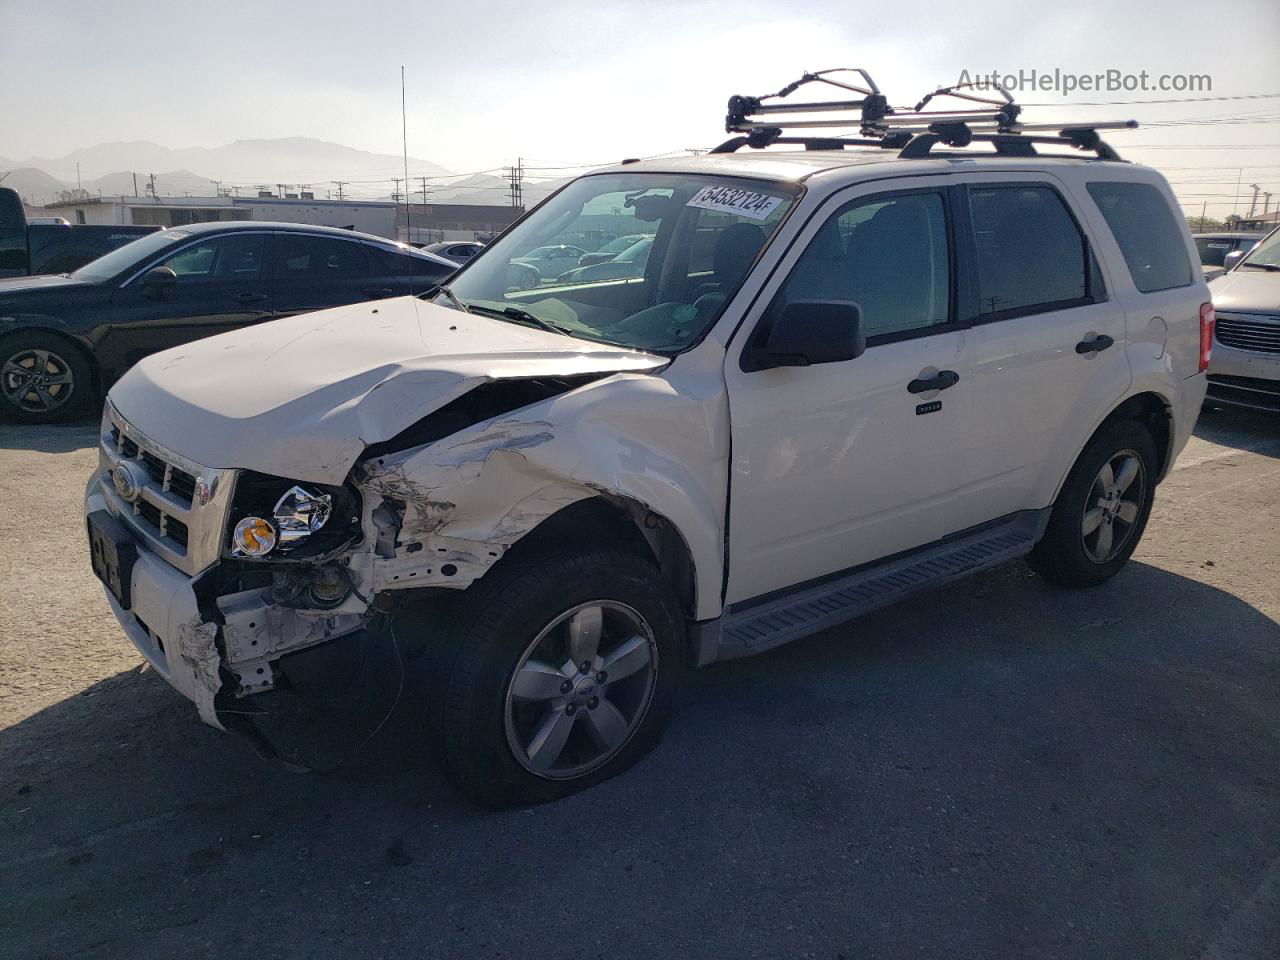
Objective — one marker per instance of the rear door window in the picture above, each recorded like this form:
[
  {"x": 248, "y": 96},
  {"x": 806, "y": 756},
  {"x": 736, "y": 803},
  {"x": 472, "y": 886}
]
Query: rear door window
[
  {"x": 1030, "y": 254},
  {"x": 320, "y": 259},
  {"x": 1149, "y": 236}
]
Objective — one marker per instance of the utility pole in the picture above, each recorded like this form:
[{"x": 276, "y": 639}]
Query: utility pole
[
  {"x": 340, "y": 184},
  {"x": 78, "y": 189},
  {"x": 1254, "y": 202},
  {"x": 1266, "y": 204},
  {"x": 1203, "y": 208},
  {"x": 135, "y": 184},
  {"x": 1239, "y": 176},
  {"x": 217, "y": 187},
  {"x": 152, "y": 189},
  {"x": 516, "y": 176}
]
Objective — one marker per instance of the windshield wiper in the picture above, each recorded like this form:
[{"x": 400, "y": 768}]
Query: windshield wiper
[
  {"x": 444, "y": 288},
  {"x": 520, "y": 316},
  {"x": 1262, "y": 266}
]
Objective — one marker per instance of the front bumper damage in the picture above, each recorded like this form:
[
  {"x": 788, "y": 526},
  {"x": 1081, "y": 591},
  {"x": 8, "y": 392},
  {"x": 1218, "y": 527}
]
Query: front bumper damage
[
  {"x": 215, "y": 656},
  {"x": 219, "y": 648}
]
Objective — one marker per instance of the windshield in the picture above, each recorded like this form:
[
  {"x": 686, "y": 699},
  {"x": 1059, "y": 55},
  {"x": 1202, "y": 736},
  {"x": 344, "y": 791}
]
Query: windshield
[
  {"x": 1213, "y": 250},
  {"x": 689, "y": 243},
  {"x": 1266, "y": 252},
  {"x": 131, "y": 254}
]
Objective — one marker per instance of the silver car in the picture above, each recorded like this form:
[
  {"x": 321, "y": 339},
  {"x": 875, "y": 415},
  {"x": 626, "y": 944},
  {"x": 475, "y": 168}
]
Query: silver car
[{"x": 1245, "y": 369}]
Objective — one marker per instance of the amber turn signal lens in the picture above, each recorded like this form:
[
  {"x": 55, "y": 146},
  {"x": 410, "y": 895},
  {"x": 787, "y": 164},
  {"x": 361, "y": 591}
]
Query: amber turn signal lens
[{"x": 253, "y": 537}]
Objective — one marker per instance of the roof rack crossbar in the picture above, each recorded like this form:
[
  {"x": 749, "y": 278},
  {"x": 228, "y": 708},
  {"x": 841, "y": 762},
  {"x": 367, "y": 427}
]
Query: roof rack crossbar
[{"x": 994, "y": 119}]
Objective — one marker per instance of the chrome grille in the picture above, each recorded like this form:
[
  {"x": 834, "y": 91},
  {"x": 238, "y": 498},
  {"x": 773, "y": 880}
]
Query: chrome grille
[
  {"x": 1258, "y": 332},
  {"x": 180, "y": 511}
]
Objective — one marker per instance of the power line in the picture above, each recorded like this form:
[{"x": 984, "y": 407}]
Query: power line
[{"x": 1128, "y": 103}]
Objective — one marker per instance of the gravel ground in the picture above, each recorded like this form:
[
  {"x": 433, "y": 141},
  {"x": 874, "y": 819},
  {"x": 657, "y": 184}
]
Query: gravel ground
[{"x": 996, "y": 769}]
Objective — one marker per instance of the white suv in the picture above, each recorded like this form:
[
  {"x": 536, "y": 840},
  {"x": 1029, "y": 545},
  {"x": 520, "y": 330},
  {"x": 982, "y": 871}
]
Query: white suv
[{"x": 843, "y": 377}]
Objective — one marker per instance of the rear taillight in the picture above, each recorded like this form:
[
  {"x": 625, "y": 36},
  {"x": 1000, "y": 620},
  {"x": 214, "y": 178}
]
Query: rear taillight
[{"x": 1206, "y": 335}]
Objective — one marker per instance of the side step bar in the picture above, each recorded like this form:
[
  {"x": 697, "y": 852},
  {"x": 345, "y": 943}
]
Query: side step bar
[{"x": 755, "y": 626}]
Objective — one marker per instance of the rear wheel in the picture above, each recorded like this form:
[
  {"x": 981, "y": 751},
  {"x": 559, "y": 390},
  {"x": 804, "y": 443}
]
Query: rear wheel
[
  {"x": 1102, "y": 511},
  {"x": 554, "y": 674},
  {"x": 43, "y": 379}
]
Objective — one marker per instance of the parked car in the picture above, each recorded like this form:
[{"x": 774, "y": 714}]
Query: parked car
[
  {"x": 610, "y": 250},
  {"x": 629, "y": 263},
  {"x": 64, "y": 338},
  {"x": 1215, "y": 249},
  {"x": 457, "y": 251},
  {"x": 51, "y": 244},
  {"x": 552, "y": 260},
  {"x": 1245, "y": 371},
  {"x": 887, "y": 373}
]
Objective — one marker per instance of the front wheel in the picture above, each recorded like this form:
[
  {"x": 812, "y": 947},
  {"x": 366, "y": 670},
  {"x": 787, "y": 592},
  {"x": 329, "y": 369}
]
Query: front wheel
[
  {"x": 43, "y": 379},
  {"x": 1102, "y": 510},
  {"x": 553, "y": 675}
]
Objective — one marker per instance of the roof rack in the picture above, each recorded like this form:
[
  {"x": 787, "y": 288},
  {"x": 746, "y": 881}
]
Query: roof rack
[{"x": 913, "y": 132}]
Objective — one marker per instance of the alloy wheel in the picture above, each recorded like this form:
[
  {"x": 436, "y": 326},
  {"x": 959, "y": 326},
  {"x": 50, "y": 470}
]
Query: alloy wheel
[
  {"x": 581, "y": 689},
  {"x": 36, "y": 381},
  {"x": 1113, "y": 506}
]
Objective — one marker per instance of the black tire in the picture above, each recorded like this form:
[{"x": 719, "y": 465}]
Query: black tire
[
  {"x": 68, "y": 392},
  {"x": 1065, "y": 555},
  {"x": 485, "y": 635}
]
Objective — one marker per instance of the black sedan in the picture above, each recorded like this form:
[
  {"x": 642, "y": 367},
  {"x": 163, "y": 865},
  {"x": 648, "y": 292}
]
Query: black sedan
[
  {"x": 65, "y": 338},
  {"x": 459, "y": 251}
]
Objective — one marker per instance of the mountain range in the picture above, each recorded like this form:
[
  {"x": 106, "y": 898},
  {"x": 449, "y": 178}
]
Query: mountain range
[{"x": 110, "y": 168}]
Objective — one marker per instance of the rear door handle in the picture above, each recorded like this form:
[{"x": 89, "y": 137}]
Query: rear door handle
[
  {"x": 251, "y": 297},
  {"x": 1094, "y": 344},
  {"x": 942, "y": 380},
  {"x": 376, "y": 292}
]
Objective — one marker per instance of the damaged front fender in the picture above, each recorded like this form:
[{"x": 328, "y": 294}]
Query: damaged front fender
[{"x": 457, "y": 504}]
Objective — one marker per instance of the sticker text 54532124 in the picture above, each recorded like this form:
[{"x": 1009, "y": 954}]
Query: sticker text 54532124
[{"x": 743, "y": 203}]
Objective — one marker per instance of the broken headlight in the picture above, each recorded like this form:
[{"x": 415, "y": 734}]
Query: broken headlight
[
  {"x": 291, "y": 520},
  {"x": 299, "y": 514}
]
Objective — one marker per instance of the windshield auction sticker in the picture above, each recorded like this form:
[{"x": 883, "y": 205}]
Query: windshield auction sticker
[{"x": 743, "y": 203}]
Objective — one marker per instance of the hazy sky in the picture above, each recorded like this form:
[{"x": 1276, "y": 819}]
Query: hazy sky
[{"x": 581, "y": 83}]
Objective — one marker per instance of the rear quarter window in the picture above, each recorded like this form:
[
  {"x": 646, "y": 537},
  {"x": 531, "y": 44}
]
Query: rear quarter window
[{"x": 1148, "y": 234}]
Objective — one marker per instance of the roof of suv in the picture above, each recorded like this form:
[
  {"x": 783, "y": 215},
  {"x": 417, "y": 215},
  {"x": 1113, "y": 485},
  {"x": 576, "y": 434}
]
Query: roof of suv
[{"x": 799, "y": 165}]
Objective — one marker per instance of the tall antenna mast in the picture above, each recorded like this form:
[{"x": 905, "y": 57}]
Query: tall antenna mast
[{"x": 404, "y": 134}]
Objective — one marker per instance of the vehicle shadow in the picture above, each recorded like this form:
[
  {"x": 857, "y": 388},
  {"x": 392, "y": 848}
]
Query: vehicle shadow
[
  {"x": 1250, "y": 430},
  {"x": 996, "y": 768},
  {"x": 49, "y": 437}
]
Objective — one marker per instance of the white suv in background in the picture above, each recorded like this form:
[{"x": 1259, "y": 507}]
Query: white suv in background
[{"x": 842, "y": 377}]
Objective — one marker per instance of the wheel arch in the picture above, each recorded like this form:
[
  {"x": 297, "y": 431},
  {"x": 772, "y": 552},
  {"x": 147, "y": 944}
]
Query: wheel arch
[
  {"x": 1152, "y": 410},
  {"x": 617, "y": 522}
]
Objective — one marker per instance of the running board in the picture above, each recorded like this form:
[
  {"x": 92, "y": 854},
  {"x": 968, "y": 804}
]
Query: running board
[{"x": 746, "y": 629}]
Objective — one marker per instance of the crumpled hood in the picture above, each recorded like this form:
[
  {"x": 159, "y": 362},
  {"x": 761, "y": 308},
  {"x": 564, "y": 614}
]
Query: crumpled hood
[
  {"x": 302, "y": 397},
  {"x": 1247, "y": 289}
]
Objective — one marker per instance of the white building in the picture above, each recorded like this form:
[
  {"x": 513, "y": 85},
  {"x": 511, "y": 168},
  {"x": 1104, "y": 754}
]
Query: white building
[{"x": 375, "y": 217}]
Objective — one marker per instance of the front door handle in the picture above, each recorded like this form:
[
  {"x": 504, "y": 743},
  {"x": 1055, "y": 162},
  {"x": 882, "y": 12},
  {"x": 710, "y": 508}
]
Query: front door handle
[
  {"x": 1094, "y": 344},
  {"x": 942, "y": 380},
  {"x": 378, "y": 292},
  {"x": 251, "y": 297}
]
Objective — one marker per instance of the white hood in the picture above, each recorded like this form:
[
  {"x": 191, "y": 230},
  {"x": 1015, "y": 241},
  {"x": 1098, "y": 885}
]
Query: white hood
[
  {"x": 1247, "y": 289},
  {"x": 302, "y": 397}
]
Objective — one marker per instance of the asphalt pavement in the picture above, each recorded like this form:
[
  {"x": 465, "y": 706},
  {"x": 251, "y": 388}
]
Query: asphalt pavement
[{"x": 996, "y": 769}]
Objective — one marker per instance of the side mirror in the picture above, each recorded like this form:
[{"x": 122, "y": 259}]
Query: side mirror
[
  {"x": 1232, "y": 258},
  {"x": 813, "y": 331},
  {"x": 157, "y": 281}
]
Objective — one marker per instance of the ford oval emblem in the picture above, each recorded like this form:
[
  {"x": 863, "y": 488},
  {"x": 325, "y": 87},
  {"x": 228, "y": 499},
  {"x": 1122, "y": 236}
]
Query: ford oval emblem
[{"x": 127, "y": 482}]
